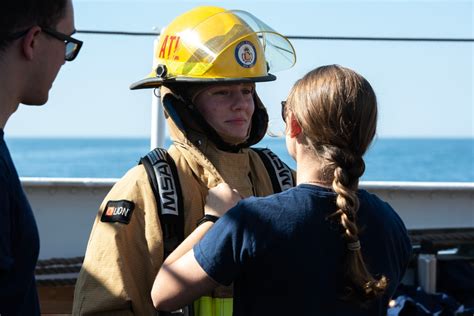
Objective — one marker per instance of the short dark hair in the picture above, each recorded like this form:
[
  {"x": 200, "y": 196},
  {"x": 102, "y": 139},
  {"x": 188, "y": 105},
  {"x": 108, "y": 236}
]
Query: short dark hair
[{"x": 19, "y": 15}]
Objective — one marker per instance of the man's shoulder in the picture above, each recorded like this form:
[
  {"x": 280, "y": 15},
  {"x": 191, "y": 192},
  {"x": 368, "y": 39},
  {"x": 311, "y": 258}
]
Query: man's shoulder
[
  {"x": 8, "y": 176},
  {"x": 6, "y": 167}
]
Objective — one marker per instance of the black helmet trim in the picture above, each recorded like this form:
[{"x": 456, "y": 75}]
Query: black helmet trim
[{"x": 149, "y": 83}]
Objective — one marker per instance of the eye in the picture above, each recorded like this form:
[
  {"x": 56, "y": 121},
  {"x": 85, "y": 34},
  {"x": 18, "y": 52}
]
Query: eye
[
  {"x": 223, "y": 92},
  {"x": 247, "y": 91}
]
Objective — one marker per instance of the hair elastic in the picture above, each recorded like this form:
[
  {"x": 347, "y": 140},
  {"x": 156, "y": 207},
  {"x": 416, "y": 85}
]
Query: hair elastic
[{"x": 353, "y": 246}]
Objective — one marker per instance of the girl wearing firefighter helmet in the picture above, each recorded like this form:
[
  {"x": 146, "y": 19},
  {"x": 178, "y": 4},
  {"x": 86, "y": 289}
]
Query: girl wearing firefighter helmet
[{"x": 206, "y": 65}]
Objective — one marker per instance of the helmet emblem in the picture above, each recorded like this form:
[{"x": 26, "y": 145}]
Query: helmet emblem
[{"x": 245, "y": 54}]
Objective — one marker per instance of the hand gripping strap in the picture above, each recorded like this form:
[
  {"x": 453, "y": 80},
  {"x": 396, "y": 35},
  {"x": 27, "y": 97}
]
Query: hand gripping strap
[
  {"x": 280, "y": 174},
  {"x": 164, "y": 181}
]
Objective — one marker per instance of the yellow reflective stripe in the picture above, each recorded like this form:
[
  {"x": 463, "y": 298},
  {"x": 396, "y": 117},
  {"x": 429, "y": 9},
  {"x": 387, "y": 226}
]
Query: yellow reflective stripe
[{"x": 213, "y": 306}]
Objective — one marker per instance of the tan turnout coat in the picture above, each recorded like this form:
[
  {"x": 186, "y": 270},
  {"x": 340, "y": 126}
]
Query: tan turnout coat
[{"x": 122, "y": 260}]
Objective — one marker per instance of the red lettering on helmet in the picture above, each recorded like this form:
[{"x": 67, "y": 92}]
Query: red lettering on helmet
[
  {"x": 163, "y": 47},
  {"x": 177, "y": 43},
  {"x": 172, "y": 39},
  {"x": 169, "y": 46}
]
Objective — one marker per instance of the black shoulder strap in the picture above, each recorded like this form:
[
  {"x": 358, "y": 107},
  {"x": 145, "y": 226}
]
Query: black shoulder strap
[
  {"x": 164, "y": 181},
  {"x": 280, "y": 174}
]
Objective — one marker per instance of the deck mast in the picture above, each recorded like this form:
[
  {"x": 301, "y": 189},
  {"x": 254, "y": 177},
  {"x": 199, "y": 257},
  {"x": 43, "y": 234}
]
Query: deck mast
[{"x": 158, "y": 124}]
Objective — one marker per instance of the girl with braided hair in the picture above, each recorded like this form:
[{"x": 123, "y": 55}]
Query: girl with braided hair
[
  {"x": 325, "y": 247},
  {"x": 336, "y": 110}
]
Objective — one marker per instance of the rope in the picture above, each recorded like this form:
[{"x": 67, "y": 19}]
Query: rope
[
  {"x": 49, "y": 268},
  {"x": 418, "y": 237},
  {"x": 57, "y": 270},
  {"x": 56, "y": 282},
  {"x": 59, "y": 261}
]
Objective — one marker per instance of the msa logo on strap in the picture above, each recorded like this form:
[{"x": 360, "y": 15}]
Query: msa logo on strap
[
  {"x": 283, "y": 173},
  {"x": 166, "y": 182},
  {"x": 118, "y": 211}
]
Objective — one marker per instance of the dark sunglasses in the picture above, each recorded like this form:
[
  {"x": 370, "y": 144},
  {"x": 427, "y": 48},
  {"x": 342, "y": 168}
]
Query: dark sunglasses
[
  {"x": 283, "y": 110},
  {"x": 73, "y": 46}
]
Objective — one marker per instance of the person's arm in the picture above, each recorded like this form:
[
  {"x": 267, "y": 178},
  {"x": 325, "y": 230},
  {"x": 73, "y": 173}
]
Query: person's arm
[
  {"x": 115, "y": 278},
  {"x": 180, "y": 283},
  {"x": 181, "y": 279}
]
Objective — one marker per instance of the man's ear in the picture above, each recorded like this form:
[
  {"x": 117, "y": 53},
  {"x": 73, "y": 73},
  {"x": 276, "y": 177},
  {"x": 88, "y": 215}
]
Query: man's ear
[
  {"x": 30, "y": 42},
  {"x": 295, "y": 128}
]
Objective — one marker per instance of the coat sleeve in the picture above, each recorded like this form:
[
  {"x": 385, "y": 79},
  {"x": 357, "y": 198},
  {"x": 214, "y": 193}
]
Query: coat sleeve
[{"x": 122, "y": 259}]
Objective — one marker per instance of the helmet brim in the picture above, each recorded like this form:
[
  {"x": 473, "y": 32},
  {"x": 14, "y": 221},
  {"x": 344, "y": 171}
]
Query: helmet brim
[{"x": 149, "y": 83}]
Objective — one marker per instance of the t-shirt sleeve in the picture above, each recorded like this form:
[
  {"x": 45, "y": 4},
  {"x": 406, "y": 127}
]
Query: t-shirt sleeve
[
  {"x": 6, "y": 259},
  {"x": 228, "y": 245}
]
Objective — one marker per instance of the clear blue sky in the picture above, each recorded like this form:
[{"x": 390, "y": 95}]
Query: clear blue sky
[{"x": 424, "y": 89}]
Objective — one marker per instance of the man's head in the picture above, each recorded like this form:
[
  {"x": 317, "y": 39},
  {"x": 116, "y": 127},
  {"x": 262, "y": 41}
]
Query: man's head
[
  {"x": 35, "y": 41},
  {"x": 16, "y": 16}
]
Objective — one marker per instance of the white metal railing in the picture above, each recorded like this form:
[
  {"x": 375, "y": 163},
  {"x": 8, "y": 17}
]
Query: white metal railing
[
  {"x": 65, "y": 208},
  {"x": 67, "y": 182},
  {"x": 368, "y": 185}
]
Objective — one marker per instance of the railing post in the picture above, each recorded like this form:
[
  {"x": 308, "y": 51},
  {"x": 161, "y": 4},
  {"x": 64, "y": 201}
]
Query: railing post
[{"x": 158, "y": 125}]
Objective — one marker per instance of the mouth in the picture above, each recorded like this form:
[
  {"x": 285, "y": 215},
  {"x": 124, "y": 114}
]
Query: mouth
[{"x": 237, "y": 121}]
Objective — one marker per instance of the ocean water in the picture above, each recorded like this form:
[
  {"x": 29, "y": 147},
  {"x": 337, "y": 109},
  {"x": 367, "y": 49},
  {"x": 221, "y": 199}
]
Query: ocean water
[{"x": 437, "y": 160}]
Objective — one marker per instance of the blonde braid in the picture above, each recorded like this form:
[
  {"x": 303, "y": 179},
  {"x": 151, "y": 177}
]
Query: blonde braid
[
  {"x": 347, "y": 203},
  {"x": 363, "y": 286}
]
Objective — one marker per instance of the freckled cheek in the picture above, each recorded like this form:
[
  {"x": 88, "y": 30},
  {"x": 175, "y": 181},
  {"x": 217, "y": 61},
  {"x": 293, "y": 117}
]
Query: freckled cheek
[
  {"x": 251, "y": 109},
  {"x": 213, "y": 115}
]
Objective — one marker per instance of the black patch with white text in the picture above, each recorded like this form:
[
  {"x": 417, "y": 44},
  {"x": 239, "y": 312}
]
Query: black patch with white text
[{"x": 118, "y": 211}]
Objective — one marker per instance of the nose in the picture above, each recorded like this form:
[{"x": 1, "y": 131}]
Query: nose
[{"x": 241, "y": 101}]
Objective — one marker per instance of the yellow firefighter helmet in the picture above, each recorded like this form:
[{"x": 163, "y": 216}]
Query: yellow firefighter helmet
[{"x": 211, "y": 44}]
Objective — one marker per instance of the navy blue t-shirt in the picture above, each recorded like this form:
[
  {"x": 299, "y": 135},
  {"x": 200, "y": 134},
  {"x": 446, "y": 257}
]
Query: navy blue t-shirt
[
  {"x": 286, "y": 258},
  {"x": 19, "y": 243}
]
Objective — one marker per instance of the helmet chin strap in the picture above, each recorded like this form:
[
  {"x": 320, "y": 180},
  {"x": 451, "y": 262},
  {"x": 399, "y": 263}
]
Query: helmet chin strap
[{"x": 234, "y": 141}]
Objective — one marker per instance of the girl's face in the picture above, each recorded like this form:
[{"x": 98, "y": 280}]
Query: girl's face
[{"x": 228, "y": 108}]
